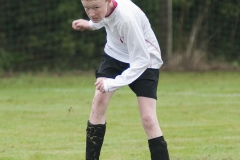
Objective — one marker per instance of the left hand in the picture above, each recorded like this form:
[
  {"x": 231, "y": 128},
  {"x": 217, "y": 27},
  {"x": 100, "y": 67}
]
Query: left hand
[{"x": 99, "y": 84}]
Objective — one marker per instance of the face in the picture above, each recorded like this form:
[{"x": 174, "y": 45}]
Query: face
[{"x": 96, "y": 9}]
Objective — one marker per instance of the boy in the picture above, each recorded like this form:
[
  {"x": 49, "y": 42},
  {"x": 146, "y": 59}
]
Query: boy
[{"x": 132, "y": 57}]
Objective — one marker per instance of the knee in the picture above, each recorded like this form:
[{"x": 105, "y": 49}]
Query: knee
[
  {"x": 99, "y": 100},
  {"x": 148, "y": 121}
]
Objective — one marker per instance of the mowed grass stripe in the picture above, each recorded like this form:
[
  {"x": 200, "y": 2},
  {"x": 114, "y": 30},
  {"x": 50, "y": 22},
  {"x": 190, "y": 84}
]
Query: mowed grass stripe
[{"x": 44, "y": 117}]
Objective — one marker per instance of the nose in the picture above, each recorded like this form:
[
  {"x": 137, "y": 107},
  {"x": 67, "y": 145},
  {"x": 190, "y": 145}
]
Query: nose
[{"x": 91, "y": 13}]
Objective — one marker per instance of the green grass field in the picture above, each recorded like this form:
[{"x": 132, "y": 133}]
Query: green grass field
[{"x": 43, "y": 117}]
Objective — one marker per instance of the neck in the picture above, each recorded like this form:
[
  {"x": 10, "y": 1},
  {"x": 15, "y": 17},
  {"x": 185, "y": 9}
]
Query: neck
[{"x": 110, "y": 9}]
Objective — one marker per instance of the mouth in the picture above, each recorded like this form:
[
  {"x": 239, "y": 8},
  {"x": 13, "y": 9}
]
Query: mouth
[{"x": 95, "y": 19}]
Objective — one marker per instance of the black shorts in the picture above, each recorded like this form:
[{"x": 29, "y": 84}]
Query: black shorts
[{"x": 145, "y": 85}]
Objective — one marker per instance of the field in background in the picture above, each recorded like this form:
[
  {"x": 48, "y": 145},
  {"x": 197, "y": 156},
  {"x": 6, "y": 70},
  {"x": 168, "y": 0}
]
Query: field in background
[{"x": 43, "y": 117}]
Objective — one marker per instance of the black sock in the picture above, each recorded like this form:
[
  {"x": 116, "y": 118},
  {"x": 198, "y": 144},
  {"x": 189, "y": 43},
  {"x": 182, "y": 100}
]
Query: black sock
[
  {"x": 158, "y": 149},
  {"x": 94, "y": 140}
]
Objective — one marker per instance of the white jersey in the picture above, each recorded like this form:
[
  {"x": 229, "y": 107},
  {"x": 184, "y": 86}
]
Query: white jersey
[{"x": 130, "y": 39}]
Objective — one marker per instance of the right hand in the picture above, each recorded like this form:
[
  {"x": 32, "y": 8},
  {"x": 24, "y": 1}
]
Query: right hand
[
  {"x": 100, "y": 84},
  {"x": 81, "y": 25}
]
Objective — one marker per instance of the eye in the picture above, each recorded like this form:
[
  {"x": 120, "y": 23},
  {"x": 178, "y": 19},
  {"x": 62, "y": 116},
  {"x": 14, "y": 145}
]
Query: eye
[{"x": 96, "y": 8}]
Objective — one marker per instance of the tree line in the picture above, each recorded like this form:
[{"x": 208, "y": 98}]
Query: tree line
[{"x": 37, "y": 35}]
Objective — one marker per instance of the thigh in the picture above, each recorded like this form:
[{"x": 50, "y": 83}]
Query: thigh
[
  {"x": 146, "y": 85},
  {"x": 147, "y": 106}
]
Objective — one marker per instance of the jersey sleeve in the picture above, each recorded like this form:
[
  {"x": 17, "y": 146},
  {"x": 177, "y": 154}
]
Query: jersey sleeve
[
  {"x": 95, "y": 26},
  {"x": 139, "y": 58}
]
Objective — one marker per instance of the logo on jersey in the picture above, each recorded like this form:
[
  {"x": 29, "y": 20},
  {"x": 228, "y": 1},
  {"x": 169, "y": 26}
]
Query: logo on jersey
[{"x": 122, "y": 39}]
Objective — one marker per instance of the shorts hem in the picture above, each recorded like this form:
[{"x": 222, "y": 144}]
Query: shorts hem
[{"x": 148, "y": 96}]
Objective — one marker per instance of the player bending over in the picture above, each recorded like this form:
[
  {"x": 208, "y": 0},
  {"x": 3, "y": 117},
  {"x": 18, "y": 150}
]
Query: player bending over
[{"x": 132, "y": 57}]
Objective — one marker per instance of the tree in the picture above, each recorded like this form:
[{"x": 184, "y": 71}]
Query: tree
[{"x": 166, "y": 29}]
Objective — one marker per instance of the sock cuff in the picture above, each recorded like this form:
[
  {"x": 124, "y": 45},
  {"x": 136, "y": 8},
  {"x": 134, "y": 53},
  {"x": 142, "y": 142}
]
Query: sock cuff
[
  {"x": 161, "y": 138},
  {"x": 157, "y": 142}
]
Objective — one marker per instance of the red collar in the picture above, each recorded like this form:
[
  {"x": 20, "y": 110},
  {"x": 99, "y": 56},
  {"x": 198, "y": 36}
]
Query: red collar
[{"x": 114, "y": 6}]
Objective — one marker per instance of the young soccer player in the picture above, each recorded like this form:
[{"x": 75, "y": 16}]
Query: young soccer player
[{"x": 132, "y": 57}]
